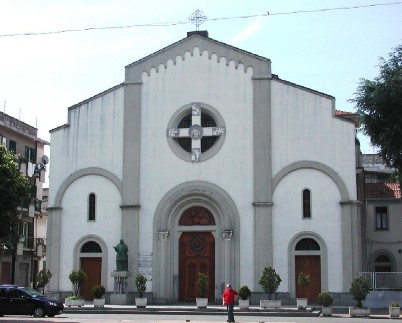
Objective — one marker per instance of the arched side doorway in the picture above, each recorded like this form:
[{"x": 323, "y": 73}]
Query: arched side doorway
[
  {"x": 196, "y": 253},
  {"x": 308, "y": 254},
  {"x": 168, "y": 232},
  {"x": 91, "y": 255},
  {"x": 310, "y": 265},
  {"x": 382, "y": 261}
]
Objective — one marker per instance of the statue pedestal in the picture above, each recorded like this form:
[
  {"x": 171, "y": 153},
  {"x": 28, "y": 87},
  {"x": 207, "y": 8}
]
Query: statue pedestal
[{"x": 119, "y": 296}]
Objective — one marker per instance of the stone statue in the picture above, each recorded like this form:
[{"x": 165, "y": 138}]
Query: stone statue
[{"x": 121, "y": 256}]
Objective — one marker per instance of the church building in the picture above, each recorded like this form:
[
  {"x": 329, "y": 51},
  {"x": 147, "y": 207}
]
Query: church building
[{"x": 203, "y": 160}]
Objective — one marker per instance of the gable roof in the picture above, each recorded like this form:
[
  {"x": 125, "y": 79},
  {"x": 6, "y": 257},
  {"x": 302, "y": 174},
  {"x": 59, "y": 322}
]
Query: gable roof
[{"x": 261, "y": 65}]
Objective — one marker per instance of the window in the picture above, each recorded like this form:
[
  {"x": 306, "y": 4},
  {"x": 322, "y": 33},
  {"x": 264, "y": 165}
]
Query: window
[
  {"x": 12, "y": 146},
  {"x": 25, "y": 230},
  {"x": 306, "y": 203},
  {"x": 3, "y": 141},
  {"x": 382, "y": 264},
  {"x": 91, "y": 207},
  {"x": 307, "y": 244},
  {"x": 91, "y": 247},
  {"x": 30, "y": 154},
  {"x": 381, "y": 218},
  {"x": 196, "y": 132}
]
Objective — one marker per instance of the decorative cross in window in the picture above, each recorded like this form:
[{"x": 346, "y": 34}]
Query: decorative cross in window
[{"x": 196, "y": 132}]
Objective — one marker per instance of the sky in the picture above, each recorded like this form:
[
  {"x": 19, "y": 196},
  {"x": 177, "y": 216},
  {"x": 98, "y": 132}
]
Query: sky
[{"x": 325, "y": 45}]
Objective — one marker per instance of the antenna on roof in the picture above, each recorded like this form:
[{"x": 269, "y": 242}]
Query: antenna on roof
[{"x": 4, "y": 107}]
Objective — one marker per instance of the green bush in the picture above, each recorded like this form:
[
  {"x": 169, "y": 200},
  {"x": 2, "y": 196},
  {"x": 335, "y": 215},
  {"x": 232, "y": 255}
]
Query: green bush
[
  {"x": 303, "y": 280},
  {"x": 77, "y": 277},
  {"x": 202, "y": 284},
  {"x": 244, "y": 292},
  {"x": 270, "y": 281},
  {"x": 141, "y": 284},
  {"x": 43, "y": 278},
  {"x": 394, "y": 304},
  {"x": 325, "y": 299},
  {"x": 359, "y": 289},
  {"x": 98, "y": 291}
]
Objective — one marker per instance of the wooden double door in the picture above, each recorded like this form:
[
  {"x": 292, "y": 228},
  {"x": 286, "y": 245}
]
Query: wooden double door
[
  {"x": 310, "y": 265},
  {"x": 93, "y": 269},
  {"x": 196, "y": 254}
]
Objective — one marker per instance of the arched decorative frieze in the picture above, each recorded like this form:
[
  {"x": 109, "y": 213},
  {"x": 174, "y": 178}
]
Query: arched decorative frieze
[
  {"x": 199, "y": 44},
  {"x": 86, "y": 172},
  {"x": 307, "y": 164}
]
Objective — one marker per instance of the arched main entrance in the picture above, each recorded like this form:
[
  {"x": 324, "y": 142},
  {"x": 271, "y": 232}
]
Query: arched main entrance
[
  {"x": 220, "y": 229},
  {"x": 196, "y": 254}
]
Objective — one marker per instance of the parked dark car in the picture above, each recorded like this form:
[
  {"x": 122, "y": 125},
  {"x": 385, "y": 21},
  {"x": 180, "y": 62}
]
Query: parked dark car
[{"x": 17, "y": 300}]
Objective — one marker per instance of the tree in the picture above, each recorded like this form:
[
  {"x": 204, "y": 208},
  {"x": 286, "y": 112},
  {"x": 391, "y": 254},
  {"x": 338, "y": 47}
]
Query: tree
[
  {"x": 270, "y": 281},
  {"x": 14, "y": 187},
  {"x": 379, "y": 104}
]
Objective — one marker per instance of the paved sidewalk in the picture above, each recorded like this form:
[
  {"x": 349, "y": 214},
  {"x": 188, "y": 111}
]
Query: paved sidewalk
[{"x": 284, "y": 311}]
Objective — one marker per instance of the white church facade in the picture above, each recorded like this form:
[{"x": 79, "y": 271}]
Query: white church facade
[{"x": 203, "y": 160}]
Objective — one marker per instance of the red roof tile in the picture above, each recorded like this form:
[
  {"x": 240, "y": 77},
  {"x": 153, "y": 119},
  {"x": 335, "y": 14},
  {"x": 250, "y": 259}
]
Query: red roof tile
[{"x": 388, "y": 190}]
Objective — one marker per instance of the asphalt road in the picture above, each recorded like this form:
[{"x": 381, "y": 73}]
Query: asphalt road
[{"x": 188, "y": 318}]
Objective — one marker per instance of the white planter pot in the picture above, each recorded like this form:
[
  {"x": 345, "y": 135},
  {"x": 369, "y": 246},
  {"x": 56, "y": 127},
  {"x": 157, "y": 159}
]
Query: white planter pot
[
  {"x": 266, "y": 303},
  {"x": 141, "y": 302},
  {"x": 201, "y": 302},
  {"x": 99, "y": 302},
  {"x": 356, "y": 311},
  {"x": 244, "y": 304},
  {"x": 74, "y": 302},
  {"x": 326, "y": 311},
  {"x": 394, "y": 311},
  {"x": 301, "y": 303}
]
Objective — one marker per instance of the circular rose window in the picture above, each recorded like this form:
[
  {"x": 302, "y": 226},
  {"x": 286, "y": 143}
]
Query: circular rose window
[{"x": 196, "y": 132}]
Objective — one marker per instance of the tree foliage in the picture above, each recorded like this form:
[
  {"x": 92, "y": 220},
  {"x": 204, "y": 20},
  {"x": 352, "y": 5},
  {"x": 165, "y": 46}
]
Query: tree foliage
[
  {"x": 270, "y": 281},
  {"x": 379, "y": 104},
  {"x": 14, "y": 187}
]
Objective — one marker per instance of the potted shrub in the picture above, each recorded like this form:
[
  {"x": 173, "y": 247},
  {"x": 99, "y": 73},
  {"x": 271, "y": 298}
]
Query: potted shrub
[
  {"x": 77, "y": 277},
  {"x": 97, "y": 292},
  {"x": 325, "y": 299},
  {"x": 359, "y": 290},
  {"x": 141, "y": 284},
  {"x": 202, "y": 284},
  {"x": 244, "y": 294},
  {"x": 43, "y": 278},
  {"x": 303, "y": 280},
  {"x": 394, "y": 309},
  {"x": 270, "y": 281}
]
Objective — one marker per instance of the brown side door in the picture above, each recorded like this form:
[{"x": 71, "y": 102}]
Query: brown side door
[
  {"x": 310, "y": 265},
  {"x": 196, "y": 254},
  {"x": 93, "y": 269}
]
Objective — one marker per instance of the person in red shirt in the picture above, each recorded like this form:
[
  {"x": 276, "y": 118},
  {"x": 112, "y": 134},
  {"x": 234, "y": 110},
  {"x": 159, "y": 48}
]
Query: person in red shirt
[{"x": 229, "y": 297}]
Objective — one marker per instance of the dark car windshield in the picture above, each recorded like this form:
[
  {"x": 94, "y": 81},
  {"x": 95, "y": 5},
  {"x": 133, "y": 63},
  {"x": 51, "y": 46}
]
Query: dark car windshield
[{"x": 32, "y": 292}]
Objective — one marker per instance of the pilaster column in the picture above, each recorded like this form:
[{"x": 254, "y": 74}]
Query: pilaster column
[
  {"x": 162, "y": 269},
  {"x": 53, "y": 246},
  {"x": 263, "y": 244},
  {"x": 228, "y": 269},
  {"x": 351, "y": 241},
  {"x": 131, "y": 175}
]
